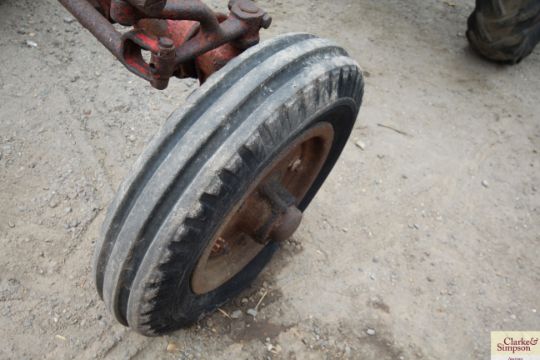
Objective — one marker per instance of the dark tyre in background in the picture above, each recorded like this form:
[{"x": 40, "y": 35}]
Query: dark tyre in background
[{"x": 504, "y": 30}]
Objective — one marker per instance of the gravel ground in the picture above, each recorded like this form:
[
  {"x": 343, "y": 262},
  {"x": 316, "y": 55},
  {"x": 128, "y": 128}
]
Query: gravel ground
[{"x": 422, "y": 241}]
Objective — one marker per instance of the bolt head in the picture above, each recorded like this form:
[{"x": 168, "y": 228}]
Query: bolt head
[
  {"x": 166, "y": 42},
  {"x": 248, "y": 6},
  {"x": 266, "y": 21}
]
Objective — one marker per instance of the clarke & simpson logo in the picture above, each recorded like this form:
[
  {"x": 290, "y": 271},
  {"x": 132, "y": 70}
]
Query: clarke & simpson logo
[{"x": 515, "y": 345}]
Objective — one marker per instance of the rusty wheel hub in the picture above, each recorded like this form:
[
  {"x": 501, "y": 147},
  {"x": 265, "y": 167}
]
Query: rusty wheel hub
[{"x": 267, "y": 212}]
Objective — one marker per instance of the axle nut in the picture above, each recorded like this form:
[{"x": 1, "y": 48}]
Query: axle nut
[{"x": 287, "y": 224}]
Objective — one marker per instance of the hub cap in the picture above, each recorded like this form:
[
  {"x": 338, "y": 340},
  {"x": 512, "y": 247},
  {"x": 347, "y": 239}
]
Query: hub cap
[{"x": 267, "y": 212}]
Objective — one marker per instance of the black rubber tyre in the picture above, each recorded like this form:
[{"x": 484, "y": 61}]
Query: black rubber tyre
[
  {"x": 197, "y": 168},
  {"x": 504, "y": 30}
]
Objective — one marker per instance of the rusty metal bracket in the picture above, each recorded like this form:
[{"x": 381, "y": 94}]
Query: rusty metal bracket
[{"x": 184, "y": 38}]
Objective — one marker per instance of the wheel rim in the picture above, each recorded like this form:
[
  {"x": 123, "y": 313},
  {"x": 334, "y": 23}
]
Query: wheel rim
[{"x": 266, "y": 212}]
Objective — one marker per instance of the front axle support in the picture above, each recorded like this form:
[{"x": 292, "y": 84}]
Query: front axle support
[{"x": 185, "y": 38}]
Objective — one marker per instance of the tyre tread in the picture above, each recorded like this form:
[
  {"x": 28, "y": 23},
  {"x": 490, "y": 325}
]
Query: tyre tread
[{"x": 137, "y": 276}]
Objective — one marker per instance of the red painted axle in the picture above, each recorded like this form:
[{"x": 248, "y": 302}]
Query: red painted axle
[{"x": 184, "y": 37}]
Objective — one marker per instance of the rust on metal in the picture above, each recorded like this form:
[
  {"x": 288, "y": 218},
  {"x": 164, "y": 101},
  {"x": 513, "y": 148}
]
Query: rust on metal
[
  {"x": 96, "y": 23},
  {"x": 267, "y": 212},
  {"x": 285, "y": 218},
  {"x": 203, "y": 41}
]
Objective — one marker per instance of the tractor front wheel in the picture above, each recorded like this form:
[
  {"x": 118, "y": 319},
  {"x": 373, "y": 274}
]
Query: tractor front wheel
[{"x": 224, "y": 181}]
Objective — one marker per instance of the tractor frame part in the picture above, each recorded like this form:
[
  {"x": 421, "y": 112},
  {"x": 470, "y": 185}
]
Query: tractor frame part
[{"x": 185, "y": 38}]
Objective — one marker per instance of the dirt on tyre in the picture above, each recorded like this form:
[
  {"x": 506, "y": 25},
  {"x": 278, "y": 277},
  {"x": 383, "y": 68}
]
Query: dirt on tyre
[{"x": 226, "y": 178}]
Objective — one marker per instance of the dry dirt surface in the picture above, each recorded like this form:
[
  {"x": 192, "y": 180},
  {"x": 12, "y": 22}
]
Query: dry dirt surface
[{"x": 424, "y": 239}]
